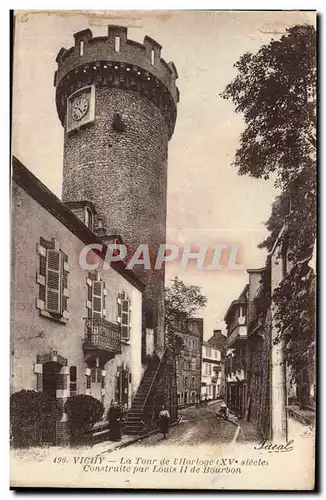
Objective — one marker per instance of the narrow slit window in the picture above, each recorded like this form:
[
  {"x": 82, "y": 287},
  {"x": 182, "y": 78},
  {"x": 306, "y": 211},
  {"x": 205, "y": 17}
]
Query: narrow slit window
[
  {"x": 152, "y": 57},
  {"x": 117, "y": 44},
  {"x": 81, "y": 48}
]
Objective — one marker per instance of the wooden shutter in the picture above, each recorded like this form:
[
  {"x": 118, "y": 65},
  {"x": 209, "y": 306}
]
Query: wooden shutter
[
  {"x": 53, "y": 281},
  {"x": 97, "y": 304},
  {"x": 124, "y": 315},
  {"x": 119, "y": 302},
  {"x": 42, "y": 269},
  {"x": 125, "y": 318},
  {"x": 104, "y": 293},
  {"x": 89, "y": 303},
  {"x": 65, "y": 291}
]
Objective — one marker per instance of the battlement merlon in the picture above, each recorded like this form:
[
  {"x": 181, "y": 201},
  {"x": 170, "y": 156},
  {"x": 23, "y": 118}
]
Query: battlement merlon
[{"x": 117, "y": 48}]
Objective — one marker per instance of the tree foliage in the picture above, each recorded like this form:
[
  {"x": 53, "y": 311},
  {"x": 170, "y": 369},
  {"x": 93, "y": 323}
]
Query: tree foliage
[
  {"x": 275, "y": 90},
  {"x": 181, "y": 303},
  {"x": 83, "y": 412},
  {"x": 31, "y": 412}
]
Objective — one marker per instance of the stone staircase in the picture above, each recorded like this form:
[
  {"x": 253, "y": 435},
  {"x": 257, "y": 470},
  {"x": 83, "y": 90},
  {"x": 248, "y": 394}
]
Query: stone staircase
[{"x": 134, "y": 417}]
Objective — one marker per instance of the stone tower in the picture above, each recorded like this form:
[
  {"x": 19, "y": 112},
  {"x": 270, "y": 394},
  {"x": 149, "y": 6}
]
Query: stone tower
[{"x": 117, "y": 101}]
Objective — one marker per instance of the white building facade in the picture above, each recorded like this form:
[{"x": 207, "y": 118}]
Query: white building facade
[{"x": 211, "y": 372}]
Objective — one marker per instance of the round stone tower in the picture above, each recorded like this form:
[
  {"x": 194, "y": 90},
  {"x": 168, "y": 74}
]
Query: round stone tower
[{"x": 117, "y": 101}]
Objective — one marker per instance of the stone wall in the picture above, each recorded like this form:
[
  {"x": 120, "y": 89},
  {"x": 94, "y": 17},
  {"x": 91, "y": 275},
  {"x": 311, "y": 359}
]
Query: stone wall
[
  {"x": 33, "y": 335},
  {"x": 125, "y": 175},
  {"x": 259, "y": 364},
  {"x": 123, "y": 172}
]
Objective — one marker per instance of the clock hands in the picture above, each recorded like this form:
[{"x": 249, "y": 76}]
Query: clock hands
[{"x": 79, "y": 108}]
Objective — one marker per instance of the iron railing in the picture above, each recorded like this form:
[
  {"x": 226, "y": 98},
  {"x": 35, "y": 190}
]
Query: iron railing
[
  {"x": 154, "y": 379},
  {"x": 101, "y": 334}
]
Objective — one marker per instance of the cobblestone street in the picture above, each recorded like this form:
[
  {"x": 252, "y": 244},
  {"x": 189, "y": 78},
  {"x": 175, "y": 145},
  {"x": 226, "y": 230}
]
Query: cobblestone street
[{"x": 197, "y": 426}]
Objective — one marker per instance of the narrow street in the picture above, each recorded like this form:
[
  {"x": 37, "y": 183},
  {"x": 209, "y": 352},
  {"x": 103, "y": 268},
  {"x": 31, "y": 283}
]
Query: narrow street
[
  {"x": 198, "y": 434},
  {"x": 197, "y": 426}
]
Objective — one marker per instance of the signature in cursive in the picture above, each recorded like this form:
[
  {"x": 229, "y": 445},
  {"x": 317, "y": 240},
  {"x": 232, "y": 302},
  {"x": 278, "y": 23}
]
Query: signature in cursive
[{"x": 275, "y": 447}]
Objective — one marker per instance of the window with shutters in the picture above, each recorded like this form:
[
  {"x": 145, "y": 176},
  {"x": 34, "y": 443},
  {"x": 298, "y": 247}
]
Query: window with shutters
[
  {"x": 97, "y": 306},
  {"x": 124, "y": 315},
  {"x": 96, "y": 295},
  {"x": 53, "y": 297},
  {"x": 52, "y": 279}
]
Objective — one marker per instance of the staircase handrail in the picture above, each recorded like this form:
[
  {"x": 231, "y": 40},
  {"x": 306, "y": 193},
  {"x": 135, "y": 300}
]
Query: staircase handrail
[{"x": 153, "y": 380}]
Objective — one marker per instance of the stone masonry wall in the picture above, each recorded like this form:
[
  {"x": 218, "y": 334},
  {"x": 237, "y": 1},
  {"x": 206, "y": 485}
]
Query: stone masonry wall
[
  {"x": 259, "y": 379},
  {"x": 125, "y": 175}
]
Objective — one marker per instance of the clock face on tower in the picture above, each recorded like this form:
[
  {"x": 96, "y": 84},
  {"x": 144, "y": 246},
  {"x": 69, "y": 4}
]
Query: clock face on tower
[{"x": 79, "y": 108}]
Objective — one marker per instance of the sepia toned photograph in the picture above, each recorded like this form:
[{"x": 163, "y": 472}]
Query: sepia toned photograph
[{"x": 163, "y": 250}]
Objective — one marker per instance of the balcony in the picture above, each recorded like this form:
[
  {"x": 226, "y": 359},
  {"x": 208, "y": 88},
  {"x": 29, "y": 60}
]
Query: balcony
[
  {"x": 102, "y": 339},
  {"x": 239, "y": 332},
  {"x": 238, "y": 376}
]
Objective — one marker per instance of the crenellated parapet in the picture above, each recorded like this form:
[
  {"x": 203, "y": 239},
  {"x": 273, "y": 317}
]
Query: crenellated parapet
[{"x": 115, "y": 61}]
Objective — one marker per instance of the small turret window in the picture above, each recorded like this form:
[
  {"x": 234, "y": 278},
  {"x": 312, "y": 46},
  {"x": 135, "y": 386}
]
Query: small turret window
[
  {"x": 117, "y": 44},
  {"x": 81, "y": 48},
  {"x": 89, "y": 218},
  {"x": 152, "y": 57}
]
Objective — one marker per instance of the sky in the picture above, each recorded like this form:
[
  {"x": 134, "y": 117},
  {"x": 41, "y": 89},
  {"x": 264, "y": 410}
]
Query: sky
[{"x": 208, "y": 202}]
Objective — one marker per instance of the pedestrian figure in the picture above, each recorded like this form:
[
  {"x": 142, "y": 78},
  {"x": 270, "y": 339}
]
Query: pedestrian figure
[
  {"x": 223, "y": 412},
  {"x": 164, "y": 421},
  {"x": 114, "y": 418},
  {"x": 124, "y": 411}
]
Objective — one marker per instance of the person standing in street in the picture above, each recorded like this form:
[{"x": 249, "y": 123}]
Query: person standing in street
[
  {"x": 164, "y": 417},
  {"x": 114, "y": 417},
  {"x": 223, "y": 412}
]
